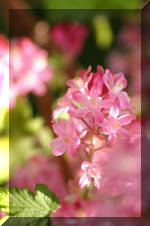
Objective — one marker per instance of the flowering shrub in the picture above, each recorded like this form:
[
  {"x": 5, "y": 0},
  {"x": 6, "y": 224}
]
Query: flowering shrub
[
  {"x": 97, "y": 111},
  {"x": 92, "y": 166},
  {"x": 96, "y": 128},
  {"x": 29, "y": 69}
]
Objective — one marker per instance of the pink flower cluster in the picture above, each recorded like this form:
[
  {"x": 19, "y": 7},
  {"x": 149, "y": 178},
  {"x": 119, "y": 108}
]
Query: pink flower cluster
[
  {"x": 69, "y": 37},
  {"x": 97, "y": 111},
  {"x": 29, "y": 69},
  {"x": 4, "y": 71}
]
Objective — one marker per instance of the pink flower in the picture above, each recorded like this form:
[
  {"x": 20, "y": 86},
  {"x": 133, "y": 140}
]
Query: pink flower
[
  {"x": 29, "y": 68},
  {"x": 69, "y": 37},
  {"x": 91, "y": 104},
  {"x": 4, "y": 71},
  {"x": 97, "y": 100},
  {"x": 112, "y": 126},
  {"x": 2, "y": 214},
  {"x": 114, "y": 83},
  {"x": 67, "y": 138},
  {"x": 128, "y": 61},
  {"x": 90, "y": 95},
  {"x": 117, "y": 61},
  {"x": 40, "y": 170},
  {"x": 130, "y": 36},
  {"x": 91, "y": 171}
]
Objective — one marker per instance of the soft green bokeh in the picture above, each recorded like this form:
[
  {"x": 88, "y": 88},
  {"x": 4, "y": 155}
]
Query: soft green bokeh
[
  {"x": 28, "y": 134},
  {"x": 103, "y": 31},
  {"x": 4, "y": 159},
  {"x": 94, "y": 4}
]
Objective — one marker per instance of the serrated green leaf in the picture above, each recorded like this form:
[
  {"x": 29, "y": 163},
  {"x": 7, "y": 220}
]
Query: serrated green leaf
[
  {"x": 28, "y": 221},
  {"x": 23, "y": 203},
  {"x": 3, "y": 219},
  {"x": 4, "y": 199}
]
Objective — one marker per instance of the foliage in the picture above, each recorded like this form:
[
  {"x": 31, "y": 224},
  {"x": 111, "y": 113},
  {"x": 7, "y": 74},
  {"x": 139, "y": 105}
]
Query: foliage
[
  {"x": 23, "y": 203},
  {"x": 4, "y": 199}
]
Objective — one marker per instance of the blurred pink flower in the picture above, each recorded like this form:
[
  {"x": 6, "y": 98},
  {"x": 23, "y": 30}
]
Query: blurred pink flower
[
  {"x": 130, "y": 35},
  {"x": 69, "y": 37},
  {"x": 129, "y": 60},
  {"x": 29, "y": 69},
  {"x": 40, "y": 170},
  {"x": 4, "y": 71},
  {"x": 2, "y": 214}
]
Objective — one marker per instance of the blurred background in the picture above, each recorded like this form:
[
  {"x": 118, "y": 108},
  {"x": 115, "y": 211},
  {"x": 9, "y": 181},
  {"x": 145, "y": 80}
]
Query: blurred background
[{"x": 47, "y": 46}]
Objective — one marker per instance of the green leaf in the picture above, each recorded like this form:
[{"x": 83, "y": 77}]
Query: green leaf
[
  {"x": 4, "y": 199},
  {"x": 28, "y": 221},
  {"x": 3, "y": 219},
  {"x": 23, "y": 203}
]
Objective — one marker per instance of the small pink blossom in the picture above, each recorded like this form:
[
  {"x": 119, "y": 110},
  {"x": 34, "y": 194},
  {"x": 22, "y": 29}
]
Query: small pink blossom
[
  {"x": 112, "y": 126},
  {"x": 91, "y": 104},
  {"x": 91, "y": 171},
  {"x": 114, "y": 83},
  {"x": 67, "y": 140}
]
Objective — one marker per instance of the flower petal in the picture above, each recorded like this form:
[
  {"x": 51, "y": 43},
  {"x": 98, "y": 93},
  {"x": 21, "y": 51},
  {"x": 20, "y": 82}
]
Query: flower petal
[
  {"x": 72, "y": 152},
  {"x": 108, "y": 79},
  {"x": 98, "y": 116},
  {"x": 59, "y": 146},
  {"x": 125, "y": 119},
  {"x": 84, "y": 180},
  {"x": 97, "y": 183},
  {"x": 85, "y": 165}
]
